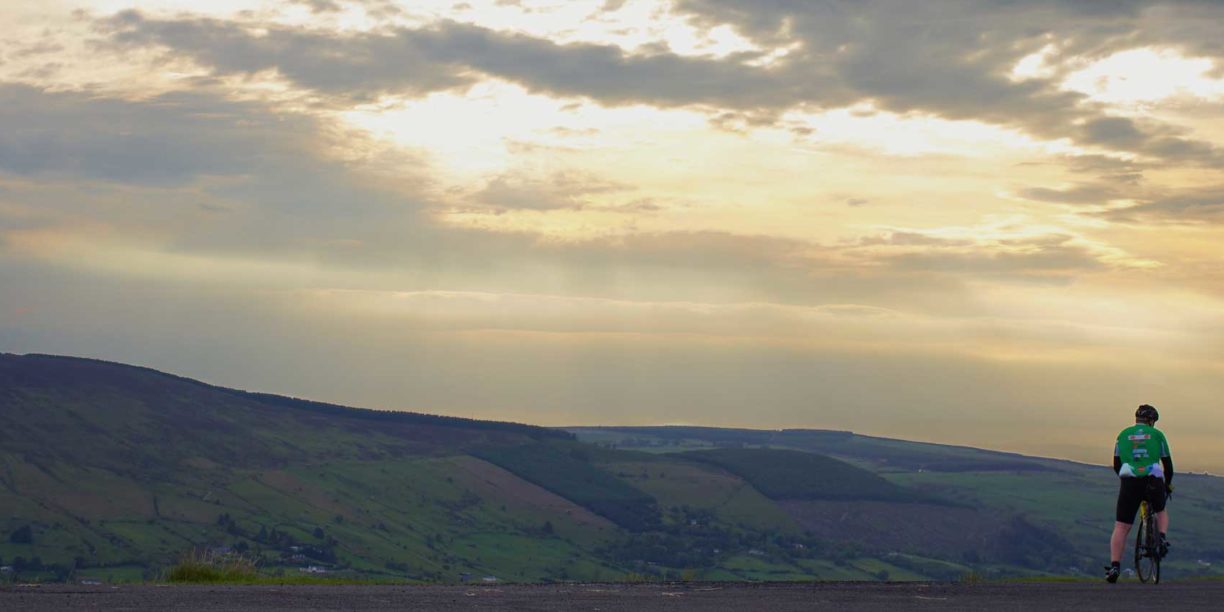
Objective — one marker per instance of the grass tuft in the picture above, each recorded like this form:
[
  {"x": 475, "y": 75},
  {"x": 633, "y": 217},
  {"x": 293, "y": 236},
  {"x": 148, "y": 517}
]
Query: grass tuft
[
  {"x": 972, "y": 577},
  {"x": 206, "y": 566}
]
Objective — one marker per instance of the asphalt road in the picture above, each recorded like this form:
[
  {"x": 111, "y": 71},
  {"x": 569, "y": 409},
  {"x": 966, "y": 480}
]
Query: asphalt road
[{"x": 894, "y": 597}]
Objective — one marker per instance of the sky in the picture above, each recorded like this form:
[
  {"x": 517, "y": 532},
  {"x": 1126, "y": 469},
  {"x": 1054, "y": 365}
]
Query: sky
[{"x": 981, "y": 222}]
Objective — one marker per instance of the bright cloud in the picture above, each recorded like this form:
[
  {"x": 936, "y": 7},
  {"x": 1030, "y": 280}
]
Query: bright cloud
[{"x": 1145, "y": 76}]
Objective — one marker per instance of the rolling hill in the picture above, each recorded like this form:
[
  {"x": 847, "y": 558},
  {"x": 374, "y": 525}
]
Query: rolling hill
[
  {"x": 114, "y": 471},
  {"x": 1000, "y": 503}
]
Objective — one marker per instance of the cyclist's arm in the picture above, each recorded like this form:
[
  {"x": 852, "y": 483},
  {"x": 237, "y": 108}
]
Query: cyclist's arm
[
  {"x": 1166, "y": 461},
  {"x": 1117, "y": 463}
]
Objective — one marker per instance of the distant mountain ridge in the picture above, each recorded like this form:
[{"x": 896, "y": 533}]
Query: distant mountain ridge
[
  {"x": 924, "y": 455},
  {"x": 112, "y": 471}
]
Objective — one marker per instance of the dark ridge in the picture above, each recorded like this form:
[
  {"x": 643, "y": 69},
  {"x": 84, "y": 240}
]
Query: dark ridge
[
  {"x": 415, "y": 418},
  {"x": 719, "y": 434},
  {"x": 323, "y": 408}
]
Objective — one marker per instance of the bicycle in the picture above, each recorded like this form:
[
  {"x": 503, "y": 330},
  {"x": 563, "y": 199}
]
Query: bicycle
[{"x": 1147, "y": 544}]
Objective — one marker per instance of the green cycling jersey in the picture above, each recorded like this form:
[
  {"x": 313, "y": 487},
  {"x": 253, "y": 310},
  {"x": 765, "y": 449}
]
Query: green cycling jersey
[{"x": 1140, "y": 449}]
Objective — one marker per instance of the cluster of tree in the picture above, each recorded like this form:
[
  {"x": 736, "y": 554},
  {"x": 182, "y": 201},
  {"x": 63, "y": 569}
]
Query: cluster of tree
[
  {"x": 465, "y": 501},
  {"x": 708, "y": 434},
  {"x": 648, "y": 442},
  {"x": 787, "y": 474},
  {"x": 275, "y": 539},
  {"x": 34, "y": 565},
  {"x": 22, "y": 535},
  {"x": 566, "y": 469},
  {"x": 230, "y": 525},
  {"x": 694, "y": 539},
  {"x": 325, "y": 554},
  {"x": 666, "y": 549}
]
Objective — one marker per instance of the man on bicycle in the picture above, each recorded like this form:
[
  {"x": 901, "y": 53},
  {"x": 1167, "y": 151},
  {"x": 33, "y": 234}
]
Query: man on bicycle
[{"x": 1145, "y": 467}]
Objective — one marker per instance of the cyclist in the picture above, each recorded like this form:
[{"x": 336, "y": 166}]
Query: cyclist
[{"x": 1145, "y": 467}]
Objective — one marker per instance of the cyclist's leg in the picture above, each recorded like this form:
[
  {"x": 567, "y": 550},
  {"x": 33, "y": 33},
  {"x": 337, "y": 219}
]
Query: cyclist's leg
[
  {"x": 1158, "y": 497},
  {"x": 1130, "y": 494},
  {"x": 1117, "y": 543}
]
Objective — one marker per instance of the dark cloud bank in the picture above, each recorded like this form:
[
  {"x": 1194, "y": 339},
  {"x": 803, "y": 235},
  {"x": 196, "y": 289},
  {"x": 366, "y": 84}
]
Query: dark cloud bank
[{"x": 951, "y": 58}]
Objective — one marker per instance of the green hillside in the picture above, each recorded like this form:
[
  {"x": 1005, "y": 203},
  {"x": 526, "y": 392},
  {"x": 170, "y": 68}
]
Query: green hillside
[
  {"x": 116, "y": 471},
  {"x": 113, "y": 472}
]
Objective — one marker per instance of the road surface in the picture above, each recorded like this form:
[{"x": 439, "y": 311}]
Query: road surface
[{"x": 894, "y": 597}]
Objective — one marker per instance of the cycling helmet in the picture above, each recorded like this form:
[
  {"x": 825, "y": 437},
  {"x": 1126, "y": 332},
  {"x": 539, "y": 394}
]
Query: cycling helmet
[{"x": 1147, "y": 413}]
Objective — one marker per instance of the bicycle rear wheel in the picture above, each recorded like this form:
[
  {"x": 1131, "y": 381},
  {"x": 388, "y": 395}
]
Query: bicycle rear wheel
[
  {"x": 1147, "y": 548},
  {"x": 1154, "y": 548}
]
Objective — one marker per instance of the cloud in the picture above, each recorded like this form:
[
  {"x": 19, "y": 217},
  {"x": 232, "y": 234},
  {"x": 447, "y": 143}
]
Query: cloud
[
  {"x": 194, "y": 184},
  {"x": 906, "y": 269},
  {"x": 1157, "y": 141},
  {"x": 1117, "y": 131},
  {"x": 1057, "y": 263},
  {"x": 945, "y": 58},
  {"x": 148, "y": 167},
  {"x": 320, "y": 6},
  {"x": 448, "y": 55},
  {"x": 199, "y": 176},
  {"x": 1084, "y": 193},
  {"x": 912, "y": 238},
  {"x": 166, "y": 141},
  {"x": 563, "y": 190},
  {"x": 1188, "y": 207},
  {"x": 954, "y": 58},
  {"x": 986, "y": 253},
  {"x": 360, "y": 67}
]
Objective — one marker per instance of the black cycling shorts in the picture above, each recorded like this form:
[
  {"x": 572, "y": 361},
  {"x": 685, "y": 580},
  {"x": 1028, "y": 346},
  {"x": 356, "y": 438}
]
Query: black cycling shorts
[{"x": 1133, "y": 491}]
